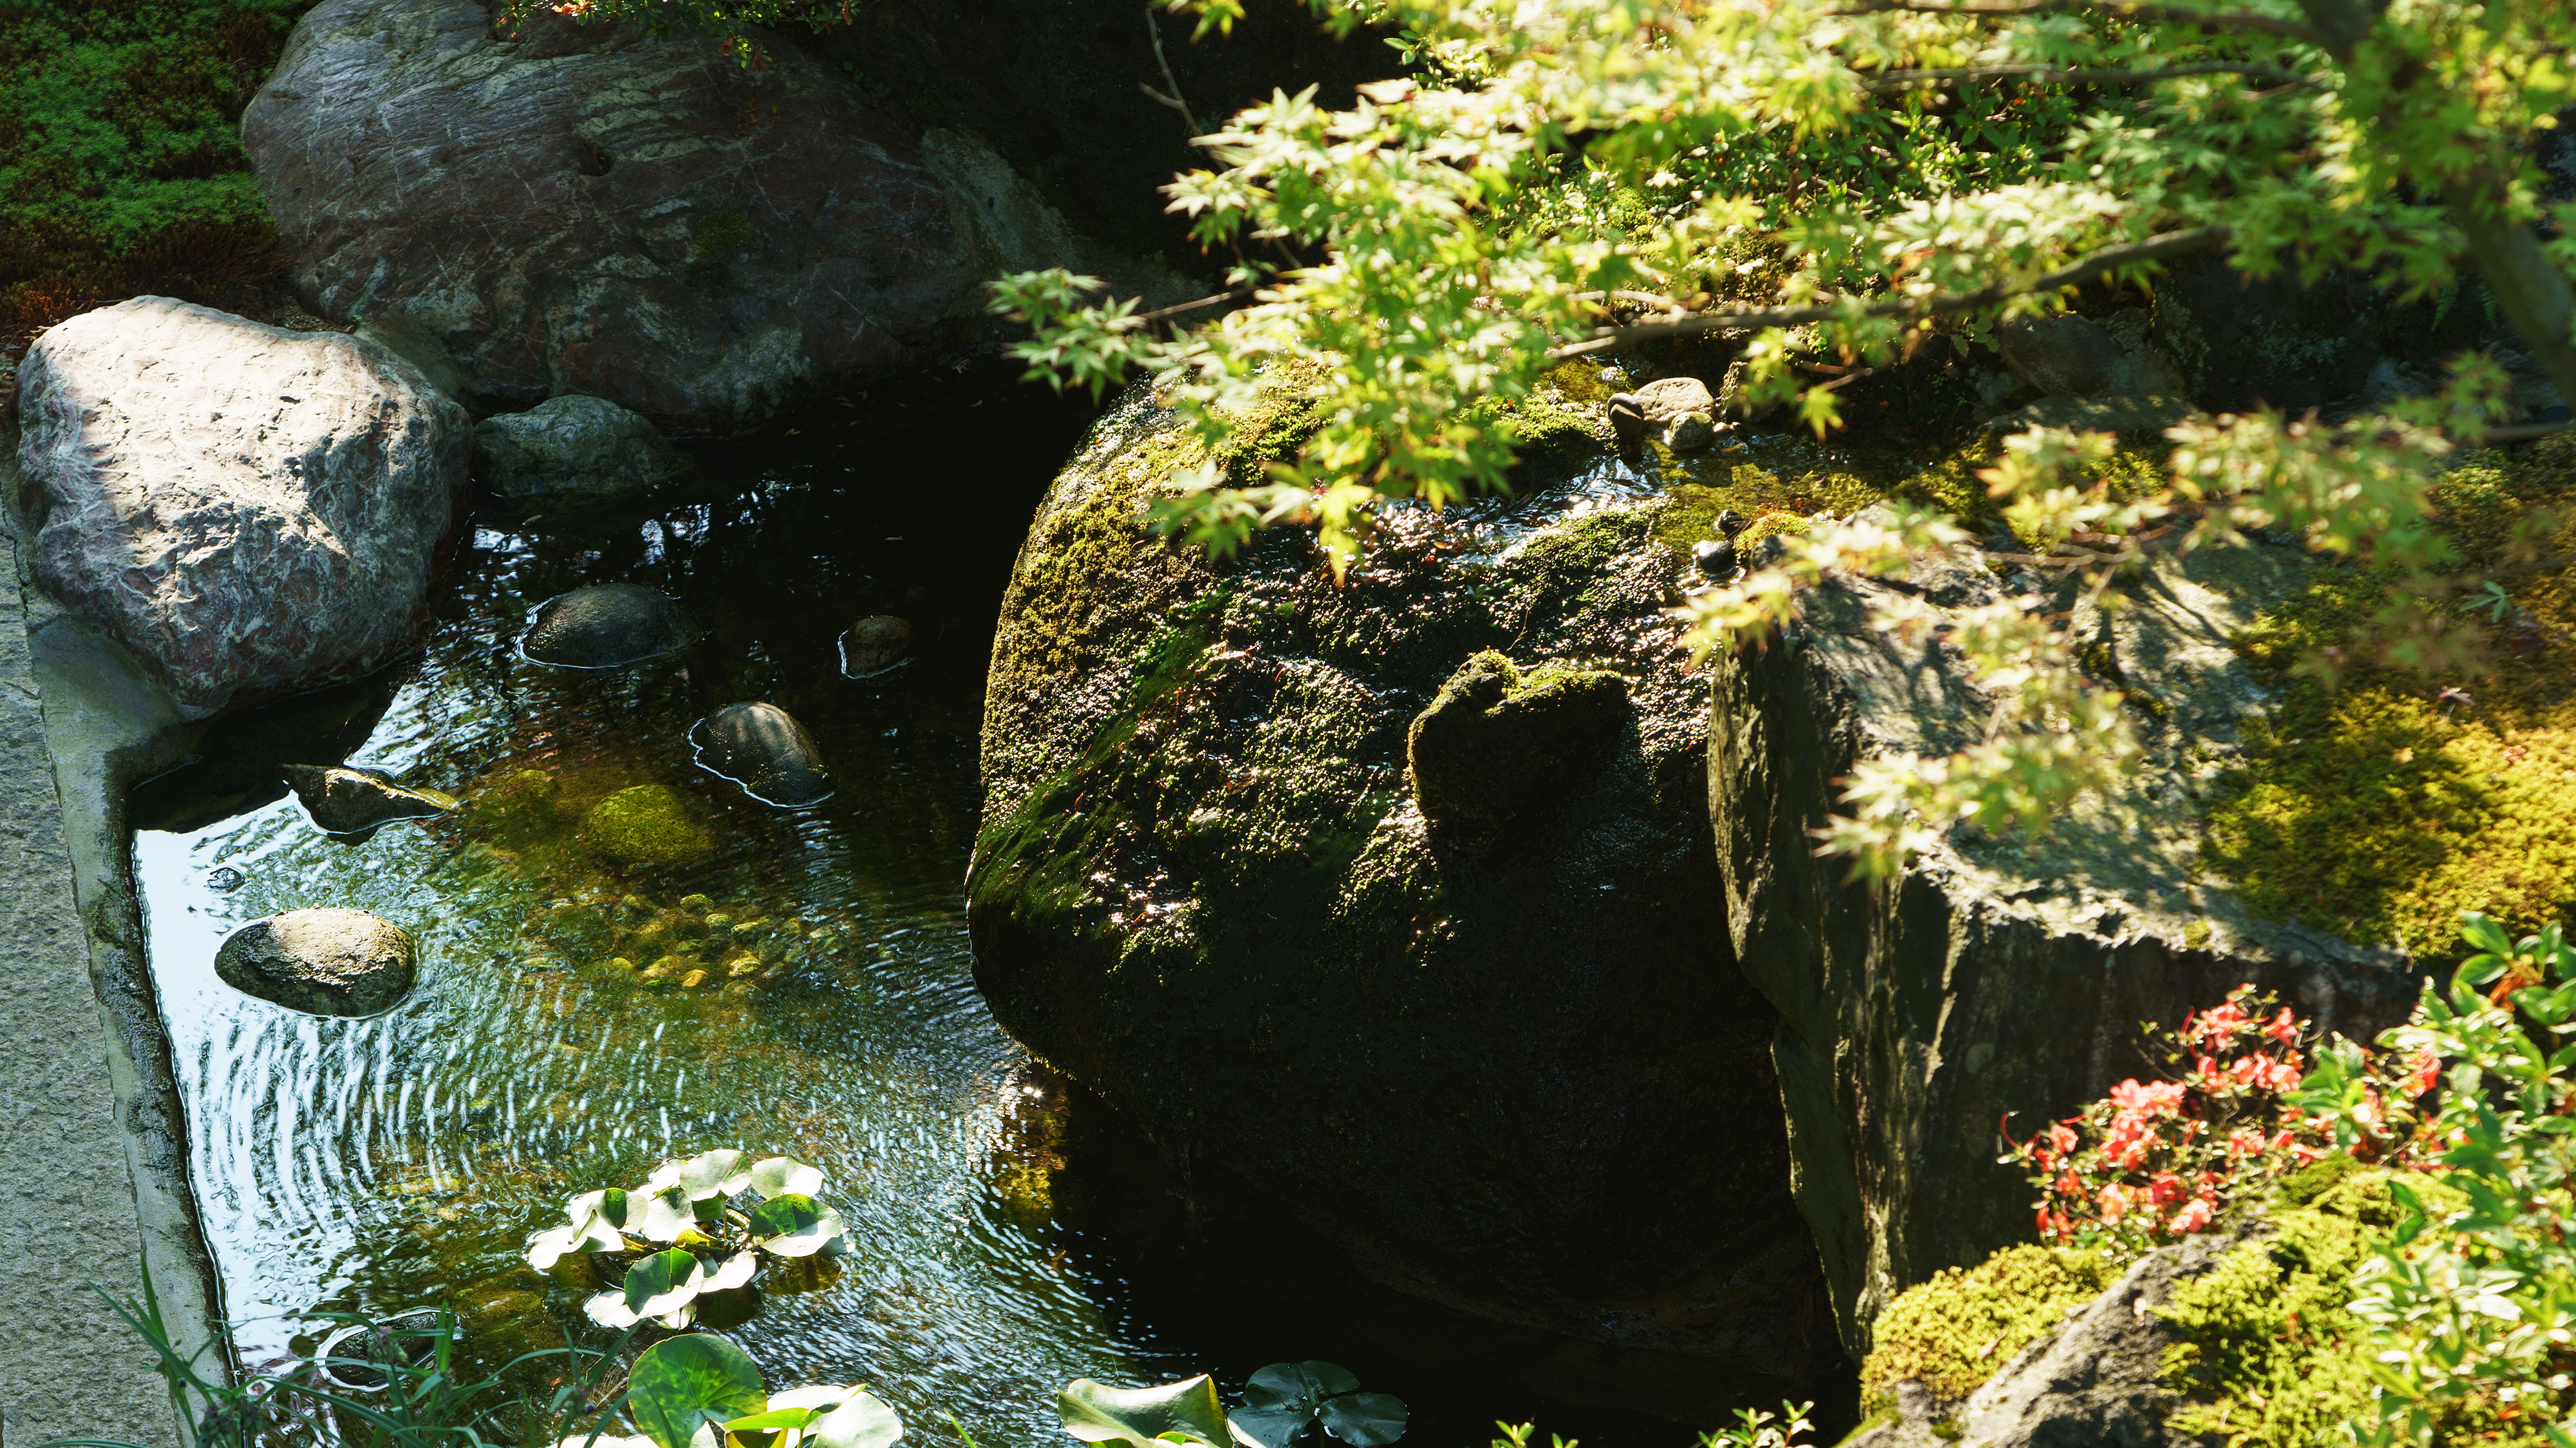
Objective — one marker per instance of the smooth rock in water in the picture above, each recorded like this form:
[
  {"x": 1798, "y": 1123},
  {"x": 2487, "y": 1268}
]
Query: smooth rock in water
[
  {"x": 345, "y": 801},
  {"x": 874, "y": 645},
  {"x": 325, "y": 962},
  {"x": 251, "y": 511},
  {"x": 1627, "y": 423},
  {"x": 587, "y": 208},
  {"x": 762, "y": 748},
  {"x": 647, "y": 824},
  {"x": 570, "y": 453},
  {"x": 607, "y": 626},
  {"x": 1500, "y": 741},
  {"x": 1680, "y": 412}
]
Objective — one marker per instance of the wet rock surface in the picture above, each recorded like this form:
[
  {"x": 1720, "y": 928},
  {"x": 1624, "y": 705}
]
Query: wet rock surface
[
  {"x": 762, "y": 748},
  {"x": 607, "y": 626},
  {"x": 874, "y": 645},
  {"x": 326, "y": 962},
  {"x": 647, "y": 825},
  {"x": 1907, "y": 1015},
  {"x": 1522, "y": 1079},
  {"x": 588, "y": 209},
  {"x": 345, "y": 801},
  {"x": 1679, "y": 412},
  {"x": 250, "y": 511},
  {"x": 571, "y": 453}
]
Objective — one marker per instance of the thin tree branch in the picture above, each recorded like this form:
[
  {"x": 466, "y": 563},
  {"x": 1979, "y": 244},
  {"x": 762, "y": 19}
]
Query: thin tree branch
[
  {"x": 1174, "y": 310},
  {"x": 1174, "y": 99},
  {"x": 2174, "y": 14},
  {"x": 2175, "y": 243},
  {"x": 2526, "y": 431},
  {"x": 1900, "y": 80}
]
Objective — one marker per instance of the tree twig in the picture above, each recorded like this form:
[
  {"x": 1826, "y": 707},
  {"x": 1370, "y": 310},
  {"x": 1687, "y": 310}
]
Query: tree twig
[
  {"x": 2177, "y": 14},
  {"x": 1899, "y": 80},
  {"x": 1174, "y": 310},
  {"x": 2524, "y": 432},
  {"x": 1174, "y": 99},
  {"x": 2175, "y": 243}
]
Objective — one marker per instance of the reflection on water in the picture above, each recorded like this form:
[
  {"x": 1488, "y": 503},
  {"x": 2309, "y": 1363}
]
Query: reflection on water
[{"x": 595, "y": 997}]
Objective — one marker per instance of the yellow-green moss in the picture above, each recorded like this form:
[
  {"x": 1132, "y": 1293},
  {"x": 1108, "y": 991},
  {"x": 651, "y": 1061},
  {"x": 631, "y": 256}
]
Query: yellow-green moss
[
  {"x": 2269, "y": 1357},
  {"x": 647, "y": 824},
  {"x": 2381, "y": 811},
  {"x": 515, "y": 809},
  {"x": 1952, "y": 1332}
]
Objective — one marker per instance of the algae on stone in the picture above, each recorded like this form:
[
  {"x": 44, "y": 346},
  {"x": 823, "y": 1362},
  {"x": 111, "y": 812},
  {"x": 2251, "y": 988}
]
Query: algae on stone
[
  {"x": 647, "y": 824},
  {"x": 1950, "y": 1333}
]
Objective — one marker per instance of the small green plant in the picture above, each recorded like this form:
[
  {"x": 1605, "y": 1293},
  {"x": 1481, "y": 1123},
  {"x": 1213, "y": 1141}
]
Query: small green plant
[
  {"x": 1761, "y": 1428},
  {"x": 686, "y": 1384},
  {"x": 419, "y": 1395},
  {"x": 705, "y": 1242}
]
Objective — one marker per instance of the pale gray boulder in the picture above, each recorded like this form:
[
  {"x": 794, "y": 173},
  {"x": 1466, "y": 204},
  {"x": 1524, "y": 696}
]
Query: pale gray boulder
[
  {"x": 571, "y": 453},
  {"x": 331, "y": 961},
  {"x": 251, "y": 511}
]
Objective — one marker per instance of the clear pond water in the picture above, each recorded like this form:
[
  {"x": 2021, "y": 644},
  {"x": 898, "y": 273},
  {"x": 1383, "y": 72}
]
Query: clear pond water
[{"x": 385, "y": 1163}]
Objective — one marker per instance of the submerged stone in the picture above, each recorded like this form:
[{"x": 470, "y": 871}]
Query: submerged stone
[
  {"x": 762, "y": 748},
  {"x": 1500, "y": 741},
  {"x": 647, "y": 824},
  {"x": 329, "y": 961},
  {"x": 345, "y": 801},
  {"x": 607, "y": 626},
  {"x": 573, "y": 452},
  {"x": 874, "y": 645}
]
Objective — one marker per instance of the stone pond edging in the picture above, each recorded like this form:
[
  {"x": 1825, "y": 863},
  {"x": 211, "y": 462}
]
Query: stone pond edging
[{"x": 93, "y": 1146}]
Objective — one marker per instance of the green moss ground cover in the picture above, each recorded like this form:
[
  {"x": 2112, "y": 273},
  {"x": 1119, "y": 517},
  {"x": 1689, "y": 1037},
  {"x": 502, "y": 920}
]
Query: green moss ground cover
[
  {"x": 2380, "y": 811},
  {"x": 121, "y": 168}
]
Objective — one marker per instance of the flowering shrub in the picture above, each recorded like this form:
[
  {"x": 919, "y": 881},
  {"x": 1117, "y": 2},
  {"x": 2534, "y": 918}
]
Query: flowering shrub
[{"x": 2160, "y": 1159}]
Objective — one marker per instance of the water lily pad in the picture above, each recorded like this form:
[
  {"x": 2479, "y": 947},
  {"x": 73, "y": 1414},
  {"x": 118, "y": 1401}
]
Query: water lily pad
[
  {"x": 1368, "y": 1420},
  {"x": 677, "y": 1385},
  {"x": 794, "y": 1225},
  {"x": 1097, "y": 1413},
  {"x": 861, "y": 1421},
  {"x": 780, "y": 1175},
  {"x": 662, "y": 1283}
]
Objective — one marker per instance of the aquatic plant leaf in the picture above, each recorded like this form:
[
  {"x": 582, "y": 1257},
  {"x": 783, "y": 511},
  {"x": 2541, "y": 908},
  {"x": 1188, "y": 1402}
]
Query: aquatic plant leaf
[
  {"x": 775, "y": 1420},
  {"x": 609, "y": 1310},
  {"x": 860, "y": 1422},
  {"x": 1368, "y": 1420},
  {"x": 794, "y": 1225},
  {"x": 677, "y": 1385},
  {"x": 819, "y": 1395},
  {"x": 1272, "y": 1425},
  {"x": 548, "y": 1247},
  {"x": 1096, "y": 1413},
  {"x": 1283, "y": 1398},
  {"x": 666, "y": 1215},
  {"x": 662, "y": 1282},
  {"x": 735, "y": 1272},
  {"x": 780, "y": 1175},
  {"x": 611, "y": 1205},
  {"x": 714, "y": 1174}
]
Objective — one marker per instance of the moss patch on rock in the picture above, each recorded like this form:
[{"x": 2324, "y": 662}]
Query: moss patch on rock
[
  {"x": 648, "y": 824},
  {"x": 1950, "y": 1334},
  {"x": 1500, "y": 738},
  {"x": 2380, "y": 811}
]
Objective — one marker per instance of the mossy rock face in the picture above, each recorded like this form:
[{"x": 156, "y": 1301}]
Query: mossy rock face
[
  {"x": 1501, "y": 742},
  {"x": 647, "y": 824},
  {"x": 2000, "y": 976},
  {"x": 1951, "y": 1333},
  {"x": 1529, "y": 1082}
]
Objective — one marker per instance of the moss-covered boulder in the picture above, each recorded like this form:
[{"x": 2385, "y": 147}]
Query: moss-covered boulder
[
  {"x": 647, "y": 824},
  {"x": 1998, "y": 978},
  {"x": 1514, "y": 1069}
]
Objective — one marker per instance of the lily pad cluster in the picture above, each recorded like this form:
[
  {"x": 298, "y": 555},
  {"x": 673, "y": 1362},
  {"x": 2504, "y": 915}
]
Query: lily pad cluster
[
  {"x": 687, "y": 1236},
  {"x": 703, "y": 1390},
  {"x": 1283, "y": 1404}
]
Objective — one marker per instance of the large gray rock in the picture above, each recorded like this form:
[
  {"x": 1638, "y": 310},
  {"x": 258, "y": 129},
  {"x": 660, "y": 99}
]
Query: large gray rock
[
  {"x": 1997, "y": 975},
  {"x": 2096, "y": 1381},
  {"x": 588, "y": 209},
  {"x": 249, "y": 510},
  {"x": 1509, "y": 1067},
  {"x": 570, "y": 453},
  {"x": 329, "y": 961}
]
